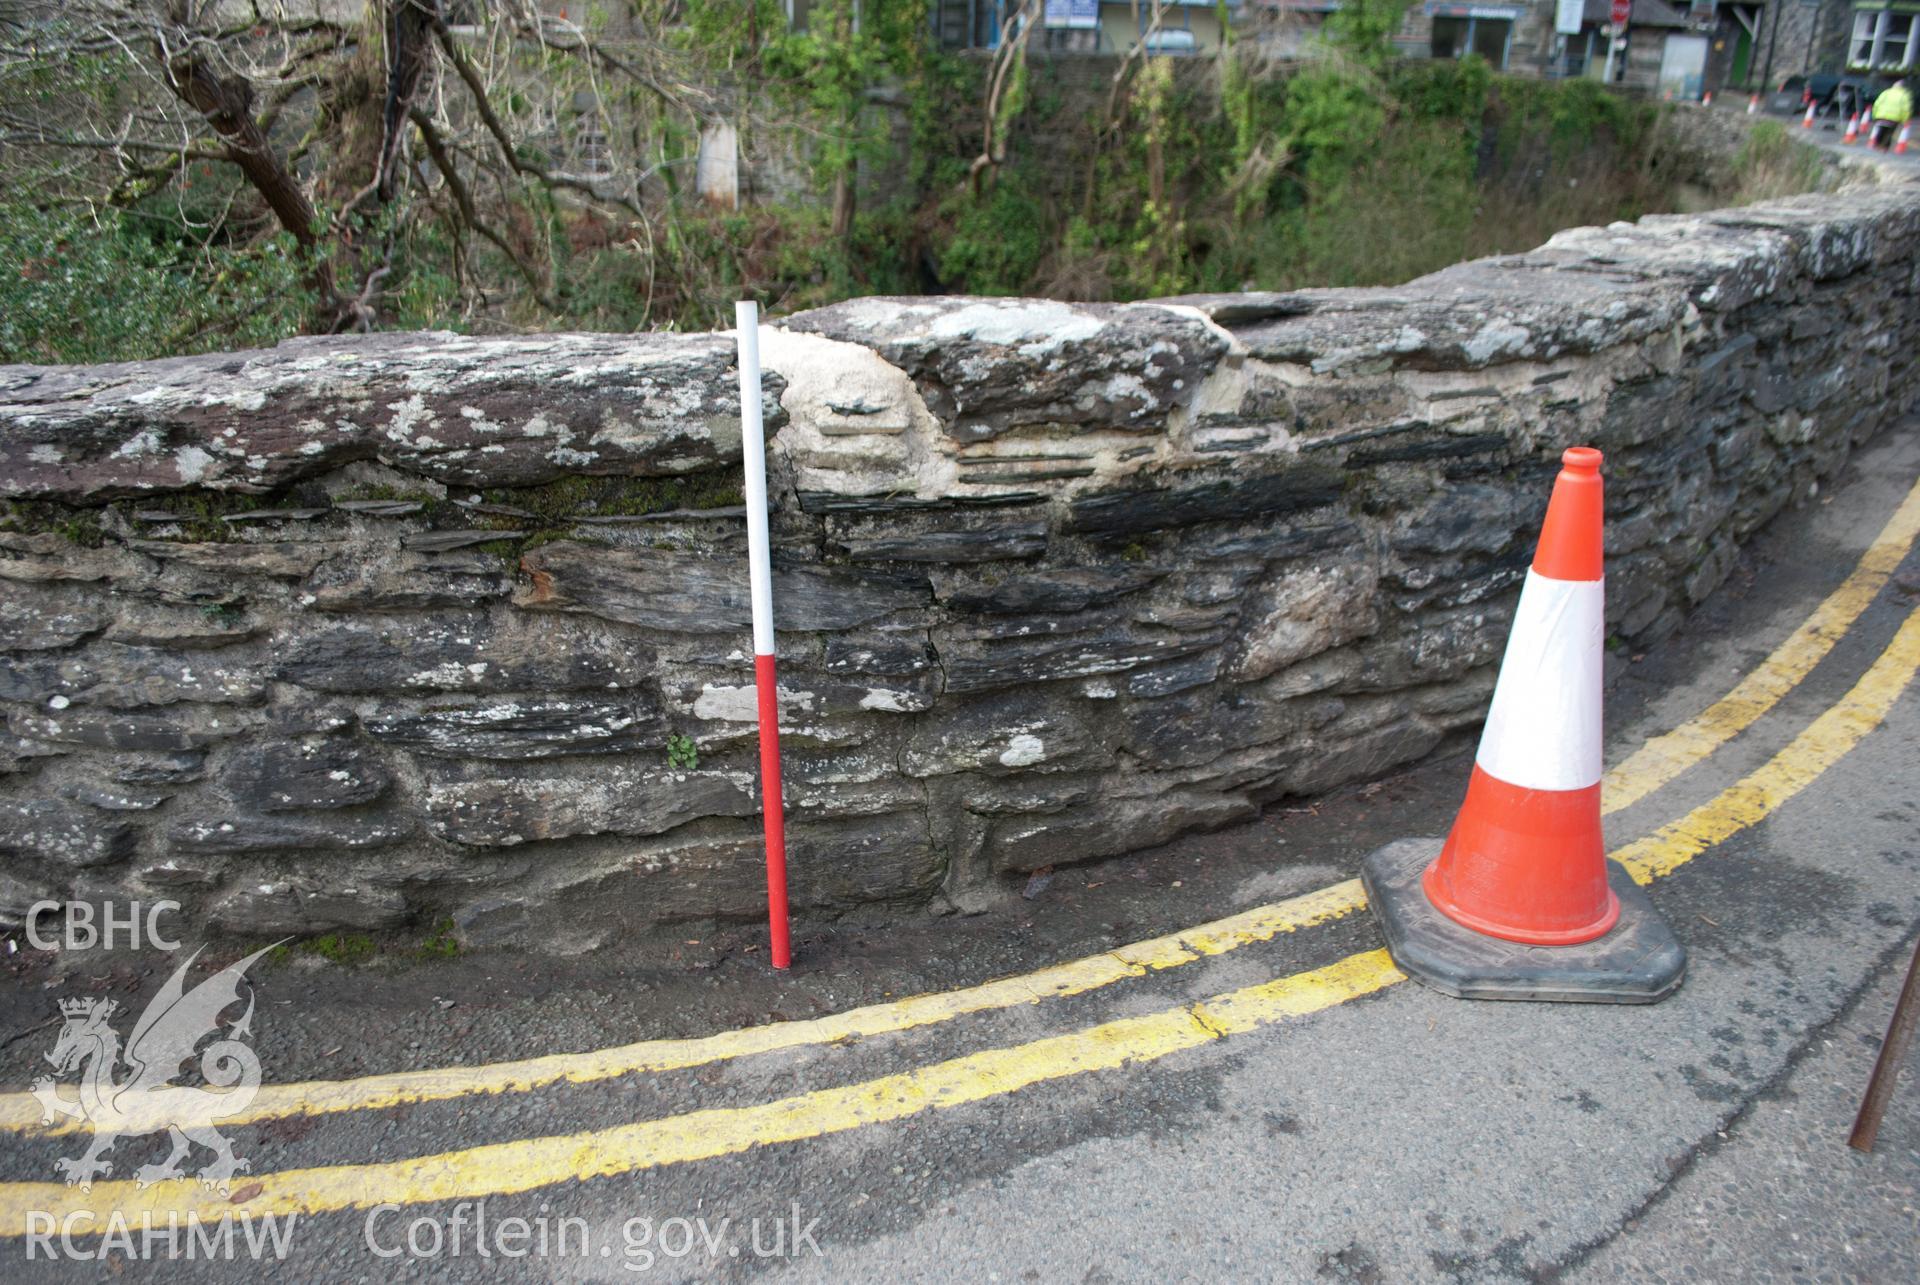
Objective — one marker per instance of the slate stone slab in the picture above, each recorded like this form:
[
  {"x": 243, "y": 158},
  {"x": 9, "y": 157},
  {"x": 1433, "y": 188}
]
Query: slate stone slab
[
  {"x": 113, "y": 798},
  {"x": 1469, "y": 317},
  {"x": 407, "y": 582},
  {"x": 288, "y": 834},
  {"x": 465, "y": 409},
  {"x": 1026, "y": 539},
  {"x": 896, "y": 654},
  {"x": 301, "y": 906},
  {"x": 176, "y": 729},
  {"x": 1014, "y": 732},
  {"x": 992, "y": 366},
  {"x": 311, "y": 773},
  {"x": 1053, "y": 591},
  {"x": 522, "y": 728},
  {"x": 159, "y": 769},
  {"x": 287, "y": 559},
  {"x": 63, "y": 833},
  {"x": 461, "y": 652},
  {"x": 177, "y": 627},
  {"x": 44, "y": 621},
  {"x": 121, "y": 677},
  {"x": 671, "y": 591},
  {"x": 805, "y": 697},
  {"x": 1109, "y": 827},
  {"x": 983, "y": 664},
  {"x": 1179, "y": 502},
  {"x": 508, "y": 812}
]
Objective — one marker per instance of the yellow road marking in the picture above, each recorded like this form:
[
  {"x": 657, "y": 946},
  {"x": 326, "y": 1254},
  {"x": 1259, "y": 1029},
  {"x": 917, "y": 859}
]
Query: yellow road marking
[
  {"x": 1652, "y": 765},
  {"x": 506, "y": 1167},
  {"x": 1812, "y": 752},
  {"x": 21, "y": 1112},
  {"x": 1664, "y": 757}
]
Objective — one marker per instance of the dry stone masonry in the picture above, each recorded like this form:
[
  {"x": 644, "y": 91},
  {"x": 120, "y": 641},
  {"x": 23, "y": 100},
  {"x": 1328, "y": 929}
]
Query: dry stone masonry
[{"x": 359, "y": 633}]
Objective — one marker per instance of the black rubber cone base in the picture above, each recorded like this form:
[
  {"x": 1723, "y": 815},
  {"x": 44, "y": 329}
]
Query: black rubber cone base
[{"x": 1638, "y": 962}]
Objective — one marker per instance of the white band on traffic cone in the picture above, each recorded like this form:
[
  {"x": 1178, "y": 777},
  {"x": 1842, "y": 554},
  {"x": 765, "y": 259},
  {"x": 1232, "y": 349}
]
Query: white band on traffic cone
[{"x": 1543, "y": 731}]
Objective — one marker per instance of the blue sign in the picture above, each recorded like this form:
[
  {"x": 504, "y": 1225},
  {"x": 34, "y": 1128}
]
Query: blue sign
[{"x": 1082, "y": 14}]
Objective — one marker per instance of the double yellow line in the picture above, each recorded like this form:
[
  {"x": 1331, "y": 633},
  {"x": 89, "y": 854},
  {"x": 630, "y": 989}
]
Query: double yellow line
[{"x": 524, "y": 1165}]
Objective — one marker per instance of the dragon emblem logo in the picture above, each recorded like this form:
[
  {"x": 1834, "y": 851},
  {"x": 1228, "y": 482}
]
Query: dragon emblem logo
[{"x": 145, "y": 1100}]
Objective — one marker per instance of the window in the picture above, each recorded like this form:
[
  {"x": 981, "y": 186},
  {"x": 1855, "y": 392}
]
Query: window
[
  {"x": 1490, "y": 40},
  {"x": 1894, "y": 30},
  {"x": 1455, "y": 37},
  {"x": 1863, "y": 32},
  {"x": 1882, "y": 41}
]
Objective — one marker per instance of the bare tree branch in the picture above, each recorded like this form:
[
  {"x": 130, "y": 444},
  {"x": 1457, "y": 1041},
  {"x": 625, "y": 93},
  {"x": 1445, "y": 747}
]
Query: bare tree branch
[{"x": 442, "y": 161}]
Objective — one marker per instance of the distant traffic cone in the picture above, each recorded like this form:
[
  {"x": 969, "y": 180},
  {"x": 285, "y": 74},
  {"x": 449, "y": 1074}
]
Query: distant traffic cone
[
  {"x": 1753, "y": 104},
  {"x": 1525, "y": 862},
  {"x": 1806, "y": 122},
  {"x": 1853, "y": 128},
  {"x": 1706, "y": 99},
  {"x": 1900, "y": 144}
]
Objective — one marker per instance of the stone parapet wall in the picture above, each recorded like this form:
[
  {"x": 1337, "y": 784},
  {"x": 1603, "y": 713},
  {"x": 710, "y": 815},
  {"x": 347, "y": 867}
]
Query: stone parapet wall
[{"x": 357, "y": 633}]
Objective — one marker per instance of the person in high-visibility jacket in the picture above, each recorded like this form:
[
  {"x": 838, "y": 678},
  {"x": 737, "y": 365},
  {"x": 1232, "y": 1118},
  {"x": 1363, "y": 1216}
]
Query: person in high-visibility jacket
[{"x": 1891, "y": 109}]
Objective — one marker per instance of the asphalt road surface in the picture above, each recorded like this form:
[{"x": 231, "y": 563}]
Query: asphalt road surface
[{"x": 1263, "y": 1098}]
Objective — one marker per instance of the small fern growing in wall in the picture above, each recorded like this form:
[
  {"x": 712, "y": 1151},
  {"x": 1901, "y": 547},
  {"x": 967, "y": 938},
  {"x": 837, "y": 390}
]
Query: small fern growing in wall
[{"x": 682, "y": 752}]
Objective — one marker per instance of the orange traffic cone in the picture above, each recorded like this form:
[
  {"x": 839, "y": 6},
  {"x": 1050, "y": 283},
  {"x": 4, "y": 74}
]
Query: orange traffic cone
[
  {"x": 1900, "y": 144},
  {"x": 1525, "y": 862},
  {"x": 1806, "y": 122},
  {"x": 1853, "y": 128},
  {"x": 1706, "y": 99},
  {"x": 1753, "y": 104}
]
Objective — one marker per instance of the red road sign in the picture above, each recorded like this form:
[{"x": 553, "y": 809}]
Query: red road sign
[{"x": 1622, "y": 10}]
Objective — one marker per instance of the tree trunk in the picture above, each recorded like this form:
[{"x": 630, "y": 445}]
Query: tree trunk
[
  {"x": 227, "y": 104},
  {"x": 843, "y": 202}
]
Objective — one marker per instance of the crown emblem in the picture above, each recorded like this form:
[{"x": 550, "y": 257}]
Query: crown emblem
[{"x": 86, "y": 1007}]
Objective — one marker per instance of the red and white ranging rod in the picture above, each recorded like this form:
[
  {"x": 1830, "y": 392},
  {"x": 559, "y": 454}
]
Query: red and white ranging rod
[{"x": 753, "y": 449}]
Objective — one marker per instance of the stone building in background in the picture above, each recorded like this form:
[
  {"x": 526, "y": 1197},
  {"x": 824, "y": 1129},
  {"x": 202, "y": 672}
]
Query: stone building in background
[{"x": 1677, "y": 49}]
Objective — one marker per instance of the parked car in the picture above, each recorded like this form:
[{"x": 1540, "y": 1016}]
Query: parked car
[
  {"x": 1796, "y": 92},
  {"x": 1855, "y": 94}
]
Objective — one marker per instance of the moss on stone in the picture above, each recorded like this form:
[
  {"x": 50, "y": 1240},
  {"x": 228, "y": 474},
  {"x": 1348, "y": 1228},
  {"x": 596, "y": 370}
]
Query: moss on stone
[
  {"x": 506, "y": 550},
  {"x": 345, "y": 949},
  {"x": 549, "y": 536},
  {"x": 200, "y": 513},
  {"x": 441, "y": 943},
  {"x": 44, "y": 517},
  {"x": 566, "y": 499}
]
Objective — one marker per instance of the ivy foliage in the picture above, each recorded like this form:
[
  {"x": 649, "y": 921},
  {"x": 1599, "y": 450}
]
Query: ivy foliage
[
  {"x": 845, "y": 50},
  {"x": 110, "y": 286}
]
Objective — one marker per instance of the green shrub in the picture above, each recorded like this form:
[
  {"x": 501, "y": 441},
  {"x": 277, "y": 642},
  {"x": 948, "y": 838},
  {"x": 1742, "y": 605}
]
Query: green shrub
[
  {"x": 997, "y": 242},
  {"x": 75, "y": 288}
]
